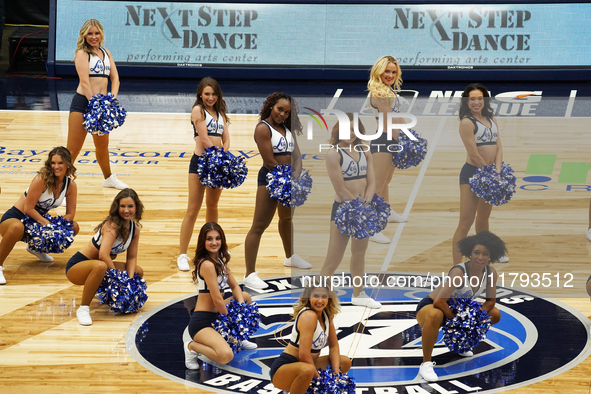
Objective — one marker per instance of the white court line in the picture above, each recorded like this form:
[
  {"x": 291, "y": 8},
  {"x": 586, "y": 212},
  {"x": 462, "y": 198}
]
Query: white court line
[
  {"x": 413, "y": 195},
  {"x": 571, "y": 103},
  {"x": 334, "y": 100}
]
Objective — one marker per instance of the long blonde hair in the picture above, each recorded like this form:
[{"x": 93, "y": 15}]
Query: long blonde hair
[
  {"x": 81, "y": 44},
  {"x": 375, "y": 85},
  {"x": 334, "y": 135},
  {"x": 332, "y": 307}
]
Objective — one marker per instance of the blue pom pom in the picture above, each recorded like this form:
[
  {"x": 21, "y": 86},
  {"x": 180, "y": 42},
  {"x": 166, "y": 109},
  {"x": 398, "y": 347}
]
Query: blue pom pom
[
  {"x": 121, "y": 293},
  {"x": 493, "y": 188},
  {"x": 241, "y": 322},
  {"x": 468, "y": 327},
  {"x": 382, "y": 208},
  {"x": 103, "y": 114},
  {"x": 331, "y": 382},
  {"x": 279, "y": 184},
  {"x": 55, "y": 237},
  {"x": 356, "y": 218},
  {"x": 219, "y": 169},
  {"x": 412, "y": 153},
  {"x": 300, "y": 188}
]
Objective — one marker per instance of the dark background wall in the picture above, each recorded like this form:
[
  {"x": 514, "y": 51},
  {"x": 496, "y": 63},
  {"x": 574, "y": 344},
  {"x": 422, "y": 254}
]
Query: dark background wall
[{"x": 27, "y": 12}]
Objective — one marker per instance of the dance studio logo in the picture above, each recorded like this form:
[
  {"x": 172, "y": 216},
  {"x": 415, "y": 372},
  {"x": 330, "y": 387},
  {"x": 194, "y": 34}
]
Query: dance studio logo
[
  {"x": 185, "y": 25},
  {"x": 384, "y": 344},
  {"x": 469, "y": 28}
]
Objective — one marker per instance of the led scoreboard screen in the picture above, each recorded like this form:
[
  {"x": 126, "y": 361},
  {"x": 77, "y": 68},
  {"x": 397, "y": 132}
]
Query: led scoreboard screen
[{"x": 329, "y": 36}]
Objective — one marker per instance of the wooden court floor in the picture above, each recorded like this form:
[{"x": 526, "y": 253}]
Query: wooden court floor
[{"x": 44, "y": 349}]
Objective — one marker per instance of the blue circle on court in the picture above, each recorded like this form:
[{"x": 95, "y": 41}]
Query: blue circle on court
[
  {"x": 537, "y": 179},
  {"x": 537, "y": 338}
]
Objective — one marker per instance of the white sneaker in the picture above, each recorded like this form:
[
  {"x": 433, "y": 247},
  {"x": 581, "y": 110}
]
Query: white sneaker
[
  {"x": 2, "y": 278},
  {"x": 364, "y": 300},
  {"x": 44, "y": 257},
  {"x": 191, "y": 357},
  {"x": 395, "y": 218},
  {"x": 503, "y": 259},
  {"x": 379, "y": 238},
  {"x": 115, "y": 183},
  {"x": 247, "y": 345},
  {"x": 183, "y": 262},
  {"x": 469, "y": 353},
  {"x": 254, "y": 281},
  {"x": 296, "y": 262},
  {"x": 589, "y": 234},
  {"x": 427, "y": 372},
  {"x": 83, "y": 315}
]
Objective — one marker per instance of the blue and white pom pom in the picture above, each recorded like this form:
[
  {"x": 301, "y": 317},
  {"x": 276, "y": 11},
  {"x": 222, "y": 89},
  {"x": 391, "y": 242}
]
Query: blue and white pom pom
[
  {"x": 55, "y": 237},
  {"x": 279, "y": 184},
  {"x": 495, "y": 189},
  {"x": 382, "y": 208},
  {"x": 468, "y": 327},
  {"x": 331, "y": 382},
  {"x": 219, "y": 169},
  {"x": 103, "y": 114},
  {"x": 241, "y": 322},
  {"x": 356, "y": 218},
  {"x": 121, "y": 293},
  {"x": 300, "y": 188},
  {"x": 412, "y": 152}
]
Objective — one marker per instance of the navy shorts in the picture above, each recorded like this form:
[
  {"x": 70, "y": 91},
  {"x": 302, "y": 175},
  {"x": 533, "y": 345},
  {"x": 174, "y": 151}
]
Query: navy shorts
[
  {"x": 333, "y": 212},
  {"x": 200, "y": 320},
  {"x": 262, "y": 177},
  {"x": 280, "y": 361},
  {"x": 429, "y": 301},
  {"x": 467, "y": 171},
  {"x": 12, "y": 213},
  {"x": 193, "y": 164},
  {"x": 77, "y": 258},
  {"x": 79, "y": 103},
  {"x": 383, "y": 143}
]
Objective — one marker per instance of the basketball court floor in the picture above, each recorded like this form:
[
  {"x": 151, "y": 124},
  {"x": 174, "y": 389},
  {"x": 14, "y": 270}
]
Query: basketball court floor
[{"x": 542, "y": 343}]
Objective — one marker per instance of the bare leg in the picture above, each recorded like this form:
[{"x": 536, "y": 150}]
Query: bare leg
[
  {"x": 429, "y": 319},
  {"x": 382, "y": 164},
  {"x": 211, "y": 202},
  {"x": 101, "y": 144},
  {"x": 12, "y": 231},
  {"x": 196, "y": 190},
  {"x": 76, "y": 134},
  {"x": 264, "y": 211},
  {"x": 89, "y": 273},
  {"x": 482, "y": 215},
  {"x": 324, "y": 361},
  {"x": 337, "y": 243},
  {"x": 295, "y": 377},
  {"x": 211, "y": 344},
  {"x": 468, "y": 207},
  {"x": 285, "y": 227},
  {"x": 357, "y": 264}
]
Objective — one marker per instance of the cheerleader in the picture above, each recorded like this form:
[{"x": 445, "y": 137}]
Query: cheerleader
[
  {"x": 212, "y": 276},
  {"x": 480, "y": 135},
  {"x": 118, "y": 233},
  {"x": 53, "y": 184},
  {"x": 210, "y": 128},
  {"x": 95, "y": 67},
  {"x": 384, "y": 83},
  {"x": 312, "y": 330},
  {"x": 277, "y": 145},
  {"x": 351, "y": 172},
  {"x": 433, "y": 310}
]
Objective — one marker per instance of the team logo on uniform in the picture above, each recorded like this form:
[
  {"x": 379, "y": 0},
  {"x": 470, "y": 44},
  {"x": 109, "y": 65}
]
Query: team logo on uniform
[{"x": 384, "y": 344}]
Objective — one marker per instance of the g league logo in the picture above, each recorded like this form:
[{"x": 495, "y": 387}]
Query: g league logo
[{"x": 385, "y": 343}]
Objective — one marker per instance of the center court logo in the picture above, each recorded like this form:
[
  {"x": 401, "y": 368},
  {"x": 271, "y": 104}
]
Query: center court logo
[{"x": 385, "y": 343}]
